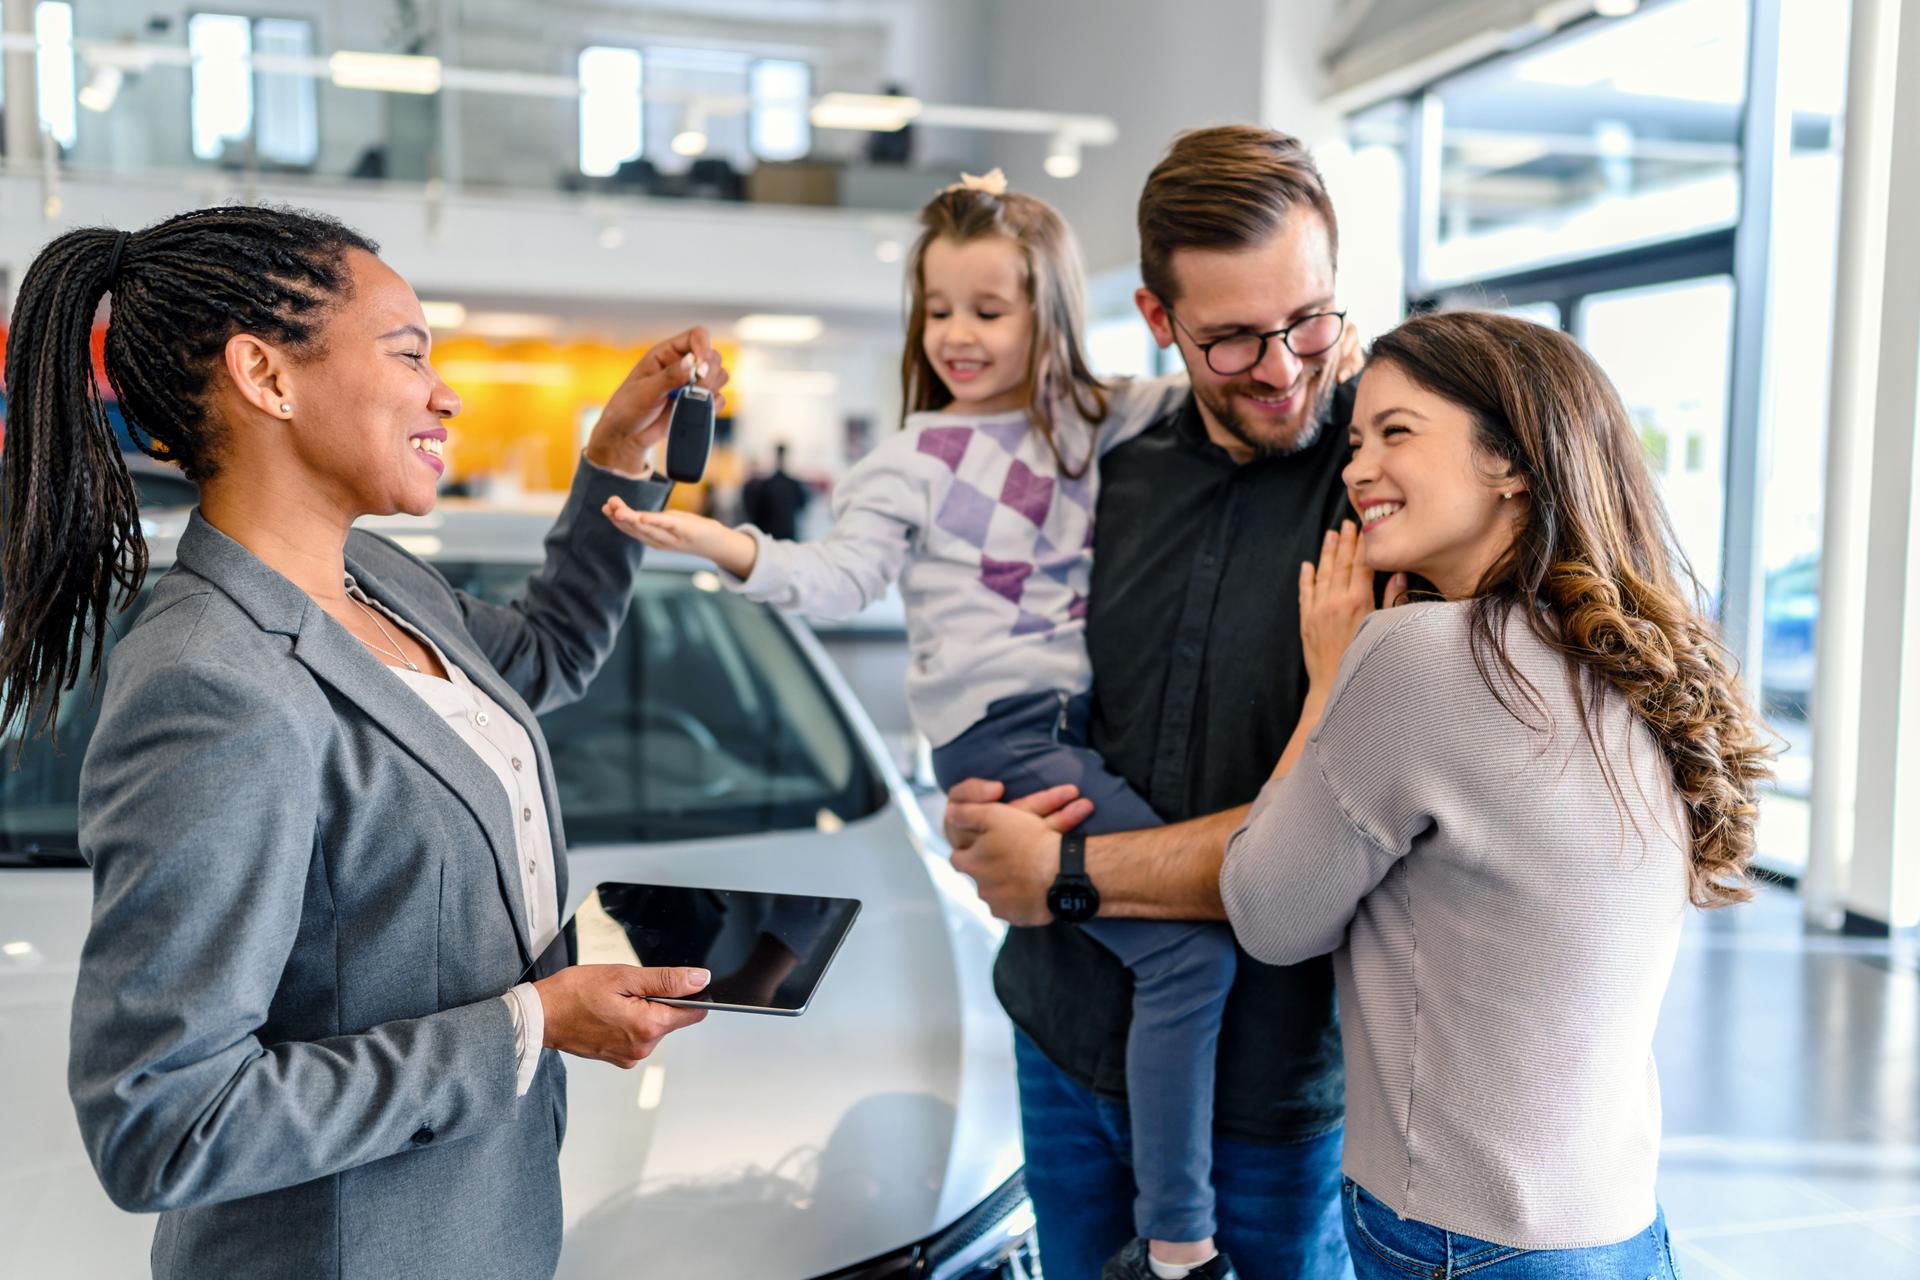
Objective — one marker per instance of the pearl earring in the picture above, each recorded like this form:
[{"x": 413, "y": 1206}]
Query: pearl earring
[
  {"x": 286, "y": 408},
  {"x": 1506, "y": 495}
]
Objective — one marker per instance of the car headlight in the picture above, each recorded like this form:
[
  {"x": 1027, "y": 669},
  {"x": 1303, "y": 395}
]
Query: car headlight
[{"x": 991, "y": 1241}]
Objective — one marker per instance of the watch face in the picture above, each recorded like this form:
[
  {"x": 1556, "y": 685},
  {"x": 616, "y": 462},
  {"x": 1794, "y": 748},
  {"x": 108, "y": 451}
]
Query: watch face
[{"x": 1073, "y": 902}]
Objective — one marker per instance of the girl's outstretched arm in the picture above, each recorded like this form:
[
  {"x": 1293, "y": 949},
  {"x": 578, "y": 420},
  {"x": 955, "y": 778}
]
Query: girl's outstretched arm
[
  {"x": 878, "y": 511},
  {"x": 732, "y": 549}
]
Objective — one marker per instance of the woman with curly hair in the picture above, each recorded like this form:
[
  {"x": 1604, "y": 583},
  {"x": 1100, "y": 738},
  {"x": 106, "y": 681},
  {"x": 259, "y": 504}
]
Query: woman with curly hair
[{"x": 1510, "y": 797}]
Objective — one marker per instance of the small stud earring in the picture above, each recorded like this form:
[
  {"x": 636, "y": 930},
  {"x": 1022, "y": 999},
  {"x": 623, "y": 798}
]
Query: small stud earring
[
  {"x": 286, "y": 408},
  {"x": 1506, "y": 495}
]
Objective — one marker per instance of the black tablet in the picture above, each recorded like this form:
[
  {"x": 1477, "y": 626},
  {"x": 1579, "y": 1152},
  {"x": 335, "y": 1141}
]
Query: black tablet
[{"x": 767, "y": 952}]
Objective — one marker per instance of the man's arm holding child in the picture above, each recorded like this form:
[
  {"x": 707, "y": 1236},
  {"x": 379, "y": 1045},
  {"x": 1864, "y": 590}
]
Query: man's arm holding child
[{"x": 1012, "y": 853}]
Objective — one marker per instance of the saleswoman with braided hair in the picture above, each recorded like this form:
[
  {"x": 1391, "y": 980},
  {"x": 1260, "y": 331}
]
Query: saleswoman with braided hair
[{"x": 318, "y": 808}]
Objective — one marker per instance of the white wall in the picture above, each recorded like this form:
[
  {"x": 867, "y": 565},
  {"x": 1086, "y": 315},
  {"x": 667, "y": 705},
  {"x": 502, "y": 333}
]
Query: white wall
[{"x": 1155, "y": 68}]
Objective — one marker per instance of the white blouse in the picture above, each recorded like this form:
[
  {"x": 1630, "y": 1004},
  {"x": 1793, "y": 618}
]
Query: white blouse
[{"x": 506, "y": 749}]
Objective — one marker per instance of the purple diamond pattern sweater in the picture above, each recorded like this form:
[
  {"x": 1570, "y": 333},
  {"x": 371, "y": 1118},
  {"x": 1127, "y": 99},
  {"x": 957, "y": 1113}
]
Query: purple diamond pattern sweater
[{"x": 991, "y": 544}]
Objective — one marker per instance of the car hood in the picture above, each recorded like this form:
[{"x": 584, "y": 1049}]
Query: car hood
[
  {"x": 753, "y": 1145},
  {"x": 747, "y": 1146}
]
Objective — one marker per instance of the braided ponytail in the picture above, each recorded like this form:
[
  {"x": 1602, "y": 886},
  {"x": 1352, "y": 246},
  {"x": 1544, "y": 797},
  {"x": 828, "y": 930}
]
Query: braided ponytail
[
  {"x": 1595, "y": 570},
  {"x": 70, "y": 544}
]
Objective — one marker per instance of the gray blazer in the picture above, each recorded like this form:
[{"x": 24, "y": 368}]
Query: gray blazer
[{"x": 288, "y": 1036}]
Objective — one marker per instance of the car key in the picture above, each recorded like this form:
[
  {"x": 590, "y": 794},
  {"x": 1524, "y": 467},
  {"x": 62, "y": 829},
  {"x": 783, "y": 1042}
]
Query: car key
[{"x": 690, "y": 432}]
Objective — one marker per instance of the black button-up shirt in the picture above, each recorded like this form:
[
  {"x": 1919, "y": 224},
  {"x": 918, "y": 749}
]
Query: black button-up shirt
[{"x": 1198, "y": 679}]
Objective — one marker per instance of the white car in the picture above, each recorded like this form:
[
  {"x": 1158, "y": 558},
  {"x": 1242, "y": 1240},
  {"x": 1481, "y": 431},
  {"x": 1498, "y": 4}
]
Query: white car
[{"x": 875, "y": 1136}]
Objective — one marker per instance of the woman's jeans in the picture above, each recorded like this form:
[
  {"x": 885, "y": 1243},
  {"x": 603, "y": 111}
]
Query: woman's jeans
[
  {"x": 1387, "y": 1247},
  {"x": 1181, "y": 971}
]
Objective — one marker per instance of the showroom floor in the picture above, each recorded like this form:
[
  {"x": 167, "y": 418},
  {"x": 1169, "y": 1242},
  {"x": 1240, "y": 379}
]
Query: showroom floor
[{"x": 1790, "y": 1068}]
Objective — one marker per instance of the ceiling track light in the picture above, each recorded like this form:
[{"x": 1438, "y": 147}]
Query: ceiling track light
[
  {"x": 691, "y": 140},
  {"x": 871, "y": 112},
  {"x": 101, "y": 89},
  {"x": 1063, "y": 155},
  {"x": 425, "y": 74}
]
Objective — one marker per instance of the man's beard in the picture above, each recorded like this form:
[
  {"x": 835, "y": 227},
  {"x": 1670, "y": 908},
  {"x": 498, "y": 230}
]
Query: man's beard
[{"x": 1316, "y": 386}]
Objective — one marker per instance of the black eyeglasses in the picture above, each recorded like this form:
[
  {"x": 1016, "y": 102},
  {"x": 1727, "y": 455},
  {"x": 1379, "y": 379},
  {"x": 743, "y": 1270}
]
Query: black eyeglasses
[{"x": 1236, "y": 353}]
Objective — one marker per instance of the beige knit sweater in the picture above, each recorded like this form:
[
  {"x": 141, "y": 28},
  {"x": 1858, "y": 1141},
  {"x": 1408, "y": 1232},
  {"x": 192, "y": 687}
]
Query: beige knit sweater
[{"x": 1502, "y": 931}]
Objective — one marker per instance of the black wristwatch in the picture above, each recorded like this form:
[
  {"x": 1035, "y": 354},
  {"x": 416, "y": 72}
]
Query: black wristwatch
[{"x": 1073, "y": 897}]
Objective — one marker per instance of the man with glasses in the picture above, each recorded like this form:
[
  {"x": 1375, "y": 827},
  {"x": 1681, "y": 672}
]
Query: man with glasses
[{"x": 1198, "y": 680}]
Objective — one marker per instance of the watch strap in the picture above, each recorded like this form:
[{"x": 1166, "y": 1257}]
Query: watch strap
[{"x": 1073, "y": 854}]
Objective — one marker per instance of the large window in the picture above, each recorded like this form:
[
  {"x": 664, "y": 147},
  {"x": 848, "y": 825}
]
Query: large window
[
  {"x": 53, "y": 28},
  {"x": 233, "y": 104},
  {"x": 1595, "y": 181},
  {"x": 1617, "y": 133},
  {"x": 1679, "y": 406},
  {"x": 677, "y": 106},
  {"x": 612, "y": 110},
  {"x": 782, "y": 90},
  {"x": 54, "y": 71}
]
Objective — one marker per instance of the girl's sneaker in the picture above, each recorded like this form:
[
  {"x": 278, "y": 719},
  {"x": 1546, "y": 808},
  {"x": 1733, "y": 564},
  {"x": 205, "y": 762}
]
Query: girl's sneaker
[{"x": 1131, "y": 1264}]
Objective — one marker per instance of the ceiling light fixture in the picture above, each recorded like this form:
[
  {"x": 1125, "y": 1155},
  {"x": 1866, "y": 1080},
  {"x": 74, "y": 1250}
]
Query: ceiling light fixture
[
  {"x": 443, "y": 315},
  {"x": 512, "y": 324},
  {"x": 102, "y": 89},
  {"x": 692, "y": 138},
  {"x": 387, "y": 72},
  {"x": 1063, "y": 155},
  {"x": 797, "y": 382},
  {"x": 872, "y": 112},
  {"x": 778, "y": 330}
]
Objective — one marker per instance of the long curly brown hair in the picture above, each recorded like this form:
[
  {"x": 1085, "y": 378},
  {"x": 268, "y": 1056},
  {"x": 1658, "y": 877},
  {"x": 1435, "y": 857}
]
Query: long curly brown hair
[{"x": 1595, "y": 569}]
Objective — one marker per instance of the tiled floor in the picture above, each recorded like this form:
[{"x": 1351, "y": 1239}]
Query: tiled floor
[{"x": 1790, "y": 1069}]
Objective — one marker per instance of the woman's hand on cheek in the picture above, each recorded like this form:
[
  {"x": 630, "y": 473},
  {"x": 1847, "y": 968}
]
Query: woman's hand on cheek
[
  {"x": 1335, "y": 598},
  {"x": 1350, "y": 357}
]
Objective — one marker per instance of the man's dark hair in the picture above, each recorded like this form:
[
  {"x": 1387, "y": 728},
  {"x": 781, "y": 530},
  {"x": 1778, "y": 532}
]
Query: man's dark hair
[{"x": 1225, "y": 188}]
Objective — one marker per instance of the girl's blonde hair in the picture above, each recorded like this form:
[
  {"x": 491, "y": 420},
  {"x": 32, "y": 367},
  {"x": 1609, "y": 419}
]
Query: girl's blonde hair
[{"x": 1057, "y": 370}]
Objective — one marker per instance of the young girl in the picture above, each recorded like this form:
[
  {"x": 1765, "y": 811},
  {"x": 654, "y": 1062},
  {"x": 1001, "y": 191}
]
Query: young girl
[{"x": 982, "y": 508}]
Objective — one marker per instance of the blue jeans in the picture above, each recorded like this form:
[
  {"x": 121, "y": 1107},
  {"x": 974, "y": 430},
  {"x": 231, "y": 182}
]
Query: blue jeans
[
  {"x": 1278, "y": 1205},
  {"x": 1387, "y": 1247},
  {"x": 1181, "y": 971}
]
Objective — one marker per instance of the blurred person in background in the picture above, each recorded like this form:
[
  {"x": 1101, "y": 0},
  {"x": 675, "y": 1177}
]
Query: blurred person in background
[{"x": 773, "y": 502}]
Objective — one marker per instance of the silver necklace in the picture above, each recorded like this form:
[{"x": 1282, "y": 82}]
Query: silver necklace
[{"x": 394, "y": 652}]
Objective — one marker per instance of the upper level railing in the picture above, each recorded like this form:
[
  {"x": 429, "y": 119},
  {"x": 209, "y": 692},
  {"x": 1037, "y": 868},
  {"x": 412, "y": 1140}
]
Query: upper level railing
[{"x": 257, "y": 96}]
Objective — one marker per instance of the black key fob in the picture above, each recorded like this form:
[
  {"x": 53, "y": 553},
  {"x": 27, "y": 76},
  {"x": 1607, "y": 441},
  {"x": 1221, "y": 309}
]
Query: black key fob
[{"x": 690, "y": 435}]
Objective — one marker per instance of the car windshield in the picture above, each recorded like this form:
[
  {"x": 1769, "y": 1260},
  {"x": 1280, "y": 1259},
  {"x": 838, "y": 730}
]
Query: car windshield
[{"x": 708, "y": 720}]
